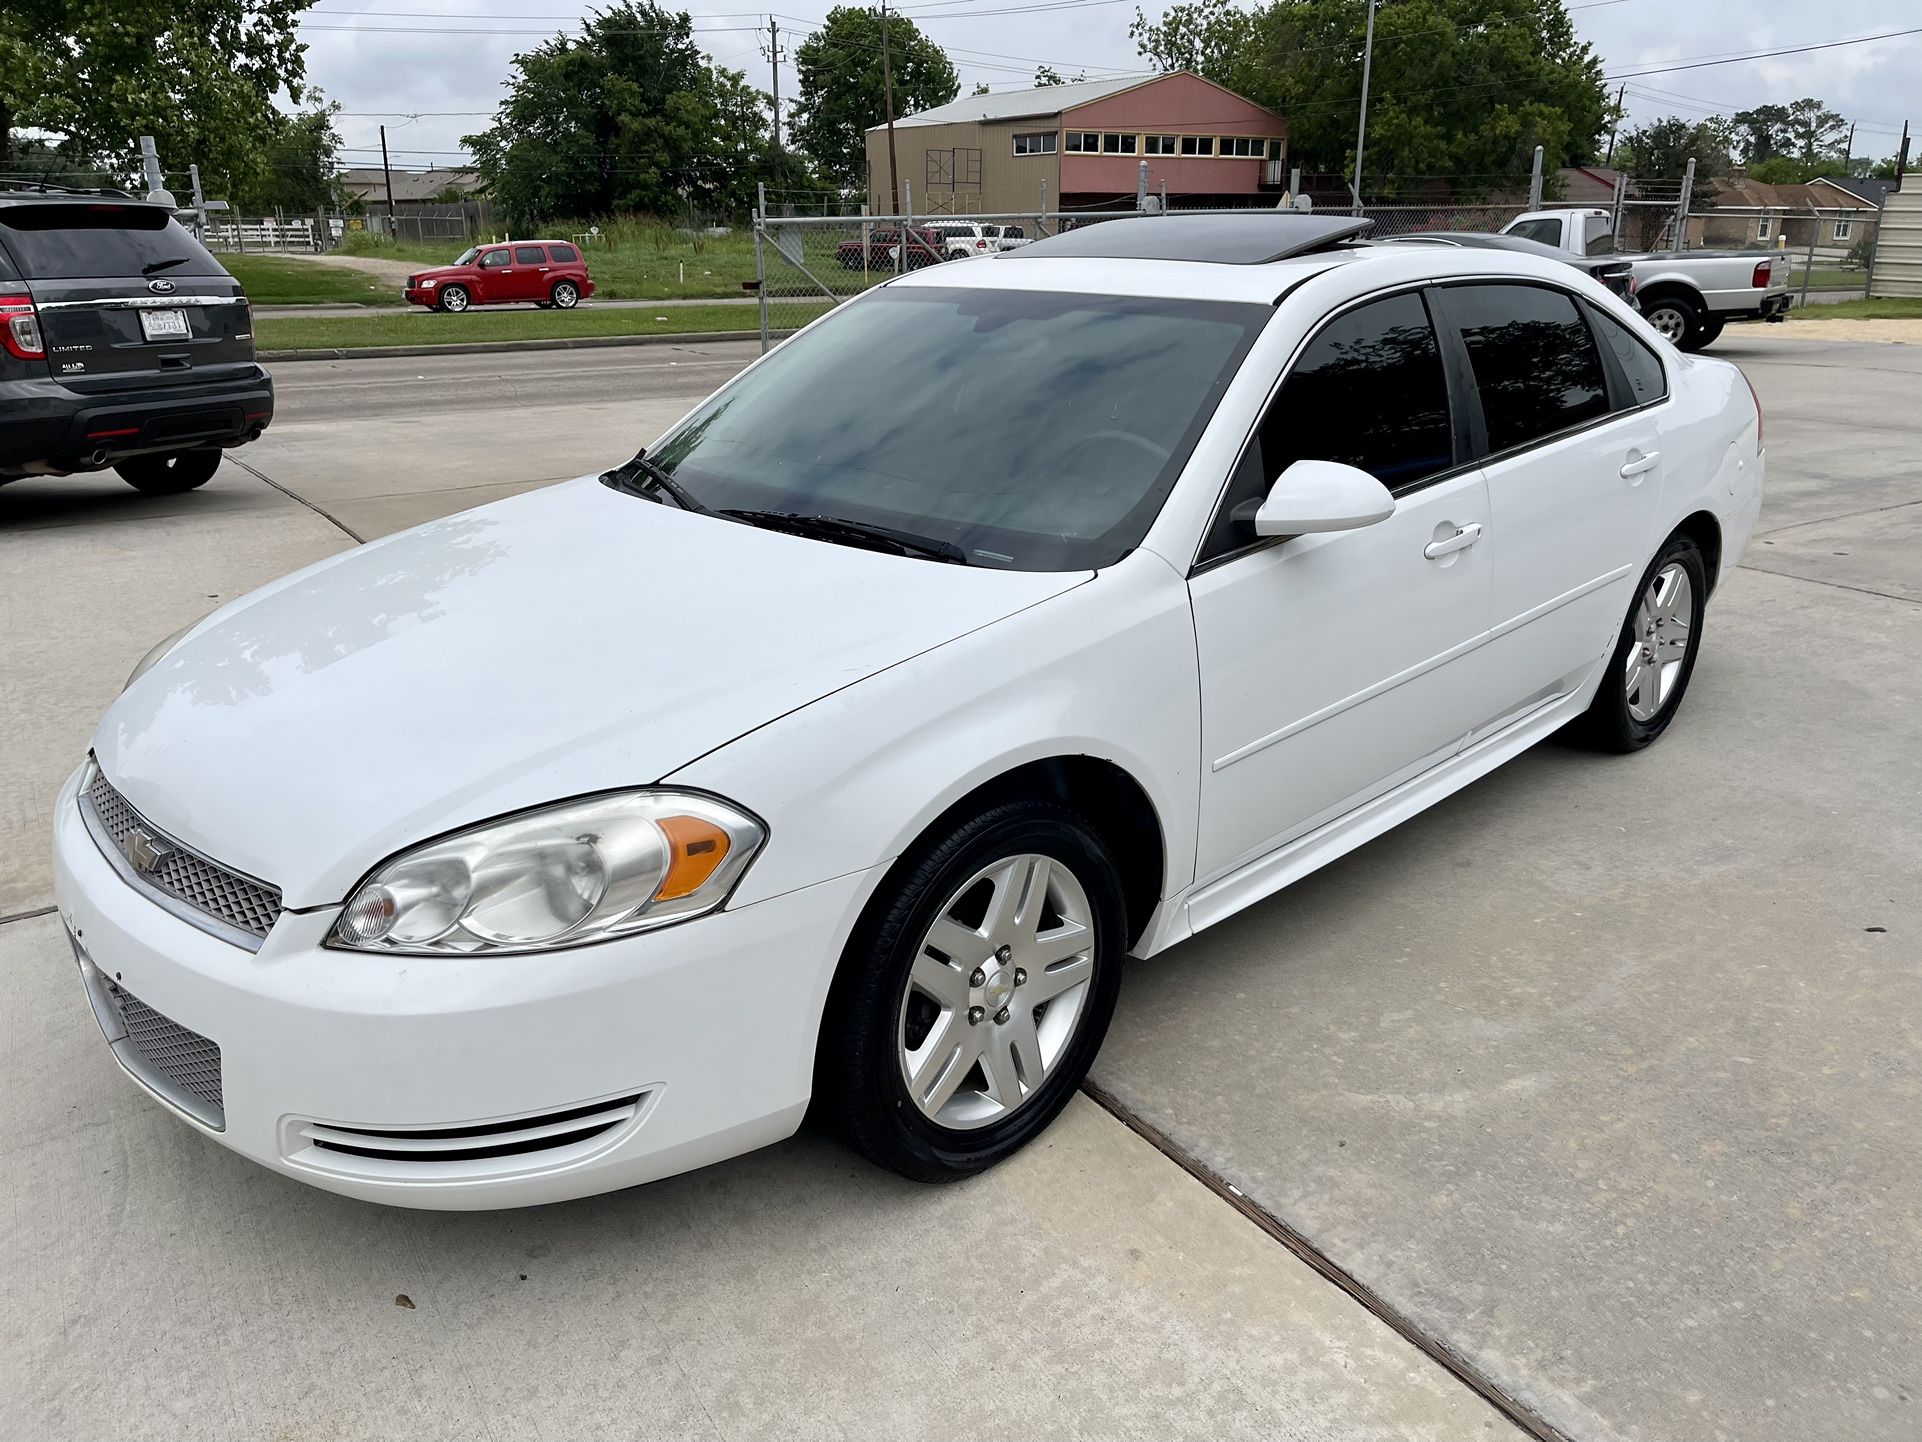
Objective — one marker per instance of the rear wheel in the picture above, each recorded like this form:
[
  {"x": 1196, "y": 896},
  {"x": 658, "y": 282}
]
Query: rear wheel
[
  {"x": 975, "y": 993},
  {"x": 1705, "y": 333},
  {"x": 454, "y": 298},
  {"x": 169, "y": 475},
  {"x": 1654, "y": 656},
  {"x": 1676, "y": 318},
  {"x": 565, "y": 295}
]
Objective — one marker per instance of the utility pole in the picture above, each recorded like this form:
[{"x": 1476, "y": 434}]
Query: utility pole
[
  {"x": 393, "y": 230},
  {"x": 1902, "y": 156},
  {"x": 1848, "y": 150},
  {"x": 774, "y": 61},
  {"x": 1361, "y": 131},
  {"x": 1616, "y": 123},
  {"x": 887, "y": 85}
]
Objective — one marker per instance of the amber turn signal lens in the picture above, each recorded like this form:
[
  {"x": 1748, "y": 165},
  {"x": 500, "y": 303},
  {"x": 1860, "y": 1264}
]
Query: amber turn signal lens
[{"x": 695, "y": 849}]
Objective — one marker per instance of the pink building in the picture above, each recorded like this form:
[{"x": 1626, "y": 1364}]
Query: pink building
[{"x": 1082, "y": 146}]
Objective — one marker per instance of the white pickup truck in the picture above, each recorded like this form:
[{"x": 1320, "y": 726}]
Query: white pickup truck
[{"x": 1686, "y": 295}]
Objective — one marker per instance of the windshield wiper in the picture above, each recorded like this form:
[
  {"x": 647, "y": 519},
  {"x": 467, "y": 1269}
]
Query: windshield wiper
[
  {"x": 644, "y": 476},
  {"x": 839, "y": 528},
  {"x": 165, "y": 264}
]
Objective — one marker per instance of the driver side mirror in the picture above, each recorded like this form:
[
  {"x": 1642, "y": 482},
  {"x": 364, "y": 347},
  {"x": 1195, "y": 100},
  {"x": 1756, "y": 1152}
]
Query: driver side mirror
[{"x": 1314, "y": 496}]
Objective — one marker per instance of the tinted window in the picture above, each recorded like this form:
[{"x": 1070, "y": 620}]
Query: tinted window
[
  {"x": 1599, "y": 239},
  {"x": 1369, "y": 391},
  {"x": 1036, "y": 430},
  {"x": 529, "y": 255},
  {"x": 1535, "y": 363},
  {"x": 493, "y": 258},
  {"x": 1638, "y": 362},
  {"x": 563, "y": 254},
  {"x": 81, "y": 242},
  {"x": 1548, "y": 232}
]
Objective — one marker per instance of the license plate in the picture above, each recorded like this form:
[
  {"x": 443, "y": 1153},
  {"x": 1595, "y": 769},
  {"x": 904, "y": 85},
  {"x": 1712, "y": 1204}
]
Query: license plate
[{"x": 164, "y": 324}]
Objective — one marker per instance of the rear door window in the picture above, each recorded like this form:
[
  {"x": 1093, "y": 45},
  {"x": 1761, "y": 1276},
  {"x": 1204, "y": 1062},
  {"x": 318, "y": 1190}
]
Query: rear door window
[
  {"x": 1535, "y": 363},
  {"x": 529, "y": 255},
  {"x": 88, "y": 242},
  {"x": 1597, "y": 238},
  {"x": 1640, "y": 365},
  {"x": 1548, "y": 232},
  {"x": 563, "y": 254}
]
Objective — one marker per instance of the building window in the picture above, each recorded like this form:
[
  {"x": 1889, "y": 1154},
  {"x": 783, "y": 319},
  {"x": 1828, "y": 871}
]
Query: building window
[
  {"x": 1039, "y": 143},
  {"x": 1249, "y": 145},
  {"x": 1114, "y": 143},
  {"x": 1197, "y": 145},
  {"x": 1083, "y": 142},
  {"x": 1157, "y": 145},
  {"x": 1277, "y": 149},
  {"x": 1844, "y": 229},
  {"x": 1763, "y": 227}
]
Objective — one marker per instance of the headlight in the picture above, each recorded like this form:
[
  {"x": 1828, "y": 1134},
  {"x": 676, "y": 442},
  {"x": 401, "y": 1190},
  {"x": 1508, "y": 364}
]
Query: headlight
[
  {"x": 147, "y": 662},
  {"x": 564, "y": 875},
  {"x": 429, "y": 283}
]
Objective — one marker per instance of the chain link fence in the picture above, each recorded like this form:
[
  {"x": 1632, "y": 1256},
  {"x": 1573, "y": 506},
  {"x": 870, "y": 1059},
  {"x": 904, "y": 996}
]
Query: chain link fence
[{"x": 1830, "y": 252}]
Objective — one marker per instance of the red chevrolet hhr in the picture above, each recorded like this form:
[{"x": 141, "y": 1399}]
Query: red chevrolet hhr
[{"x": 546, "y": 273}]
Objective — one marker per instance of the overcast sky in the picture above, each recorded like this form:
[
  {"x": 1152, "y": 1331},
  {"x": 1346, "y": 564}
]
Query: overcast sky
[{"x": 417, "y": 57}]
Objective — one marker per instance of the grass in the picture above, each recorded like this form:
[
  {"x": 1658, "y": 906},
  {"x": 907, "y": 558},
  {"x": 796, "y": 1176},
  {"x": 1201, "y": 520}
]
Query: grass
[
  {"x": 632, "y": 259},
  {"x": 349, "y": 332},
  {"x": 1828, "y": 279},
  {"x": 1888, "y": 308},
  {"x": 281, "y": 280}
]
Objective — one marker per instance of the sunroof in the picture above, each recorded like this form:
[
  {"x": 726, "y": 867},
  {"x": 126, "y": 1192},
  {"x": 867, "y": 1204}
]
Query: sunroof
[{"x": 1248, "y": 238}]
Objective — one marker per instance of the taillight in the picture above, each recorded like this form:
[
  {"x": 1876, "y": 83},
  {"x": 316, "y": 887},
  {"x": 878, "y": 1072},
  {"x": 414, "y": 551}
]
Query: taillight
[
  {"x": 1760, "y": 280},
  {"x": 980, "y": 245},
  {"x": 1758, "y": 409},
  {"x": 20, "y": 329}
]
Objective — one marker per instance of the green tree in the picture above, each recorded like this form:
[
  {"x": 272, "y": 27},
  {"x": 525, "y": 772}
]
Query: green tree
[
  {"x": 301, "y": 169},
  {"x": 1662, "y": 149},
  {"x": 626, "y": 117},
  {"x": 1047, "y": 76},
  {"x": 1815, "y": 132},
  {"x": 1760, "y": 133},
  {"x": 200, "y": 76},
  {"x": 841, "y": 91},
  {"x": 1463, "y": 89}
]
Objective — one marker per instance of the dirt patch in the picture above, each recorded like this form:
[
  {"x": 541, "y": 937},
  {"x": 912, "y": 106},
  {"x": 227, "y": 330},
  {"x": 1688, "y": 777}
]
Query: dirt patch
[
  {"x": 1904, "y": 331},
  {"x": 393, "y": 272}
]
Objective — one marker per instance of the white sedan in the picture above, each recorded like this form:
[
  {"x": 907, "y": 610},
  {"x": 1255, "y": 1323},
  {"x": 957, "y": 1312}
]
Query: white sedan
[{"x": 1013, "y": 619}]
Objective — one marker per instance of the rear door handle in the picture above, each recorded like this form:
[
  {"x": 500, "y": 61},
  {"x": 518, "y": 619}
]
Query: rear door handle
[
  {"x": 1640, "y": 465},
  {"x": 1460, "y": 541}
]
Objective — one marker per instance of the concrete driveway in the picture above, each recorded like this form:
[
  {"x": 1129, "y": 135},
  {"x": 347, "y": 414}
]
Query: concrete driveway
[{"x": 1599, "y": 1081}]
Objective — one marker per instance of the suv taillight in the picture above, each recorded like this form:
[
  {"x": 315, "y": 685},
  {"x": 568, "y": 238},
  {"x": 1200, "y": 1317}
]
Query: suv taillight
[
  {"x": 20, "y": 328},
  {"x": 1760, "y": 280}
]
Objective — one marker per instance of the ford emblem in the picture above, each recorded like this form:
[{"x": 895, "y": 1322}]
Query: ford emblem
[{"x": 161, "y": 287}]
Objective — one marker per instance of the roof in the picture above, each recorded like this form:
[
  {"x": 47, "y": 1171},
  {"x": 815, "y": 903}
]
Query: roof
[
  {"x": 1862, "y": 187},
  {"x": 1255, "y": 237},
  {"x": 1015, "y": 104},
  {"x": 1740, "y": 190},
  {"x": 409, "y": 185}
]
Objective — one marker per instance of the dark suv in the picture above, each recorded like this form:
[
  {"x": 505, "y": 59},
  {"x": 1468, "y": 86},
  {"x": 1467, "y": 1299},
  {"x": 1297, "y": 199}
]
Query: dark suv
[{"x": 123, "y": 343}]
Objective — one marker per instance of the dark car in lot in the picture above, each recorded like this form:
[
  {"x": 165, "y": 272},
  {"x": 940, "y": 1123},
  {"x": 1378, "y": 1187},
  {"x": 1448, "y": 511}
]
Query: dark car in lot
[
  {"x": 123, "y": 344},
  {"x": 924, "y": 248},
  {"x": 551, "y": 274},
  {"x": 1611, "y": 270}
]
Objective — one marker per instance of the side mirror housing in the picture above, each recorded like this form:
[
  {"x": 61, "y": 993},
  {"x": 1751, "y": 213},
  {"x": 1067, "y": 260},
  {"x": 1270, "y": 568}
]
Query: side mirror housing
[{"x": 1315, "y": 496}]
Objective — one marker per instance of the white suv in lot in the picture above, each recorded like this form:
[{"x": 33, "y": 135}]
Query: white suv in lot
[
  {"x": 837, "y": 750},
  {"x": 961, "y": 240}
]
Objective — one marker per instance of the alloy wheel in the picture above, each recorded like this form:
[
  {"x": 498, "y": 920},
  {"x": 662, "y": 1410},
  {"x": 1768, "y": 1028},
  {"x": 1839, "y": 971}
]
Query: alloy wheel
[
  {"x": 1659, "y": 643},
  {"x": 565, "y": 295},
  {"x": 997, "y": 991}
]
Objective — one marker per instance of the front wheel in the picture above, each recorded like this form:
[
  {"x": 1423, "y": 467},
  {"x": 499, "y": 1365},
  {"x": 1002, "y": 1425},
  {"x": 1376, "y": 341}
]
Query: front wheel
[
  {"x": 1649, "y": 669},
  {"x": 565, "y": 295},
  {"x": 454, "y": 298},
  {"x": 169, "y": 475},
  {"x": 974, "y": 994}
]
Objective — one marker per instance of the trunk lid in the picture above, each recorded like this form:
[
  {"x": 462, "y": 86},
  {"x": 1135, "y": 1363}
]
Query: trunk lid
[{"x": 125, "y": 296}]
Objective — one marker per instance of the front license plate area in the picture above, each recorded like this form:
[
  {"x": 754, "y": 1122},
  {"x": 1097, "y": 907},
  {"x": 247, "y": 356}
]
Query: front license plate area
[{"x": 164, "y": 325}]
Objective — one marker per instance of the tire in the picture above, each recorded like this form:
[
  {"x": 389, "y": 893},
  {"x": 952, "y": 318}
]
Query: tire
[
  {"x": 1676, "y": 317},
  {"x": 453, "y": 299},
  {"x": 1710, "y": 328},
  {"x": 876, "y": 1020},
  {"x": 169, "y": 475},
  {"x": 565, "y": 295},
  {"x": 1623, "y": 717}
]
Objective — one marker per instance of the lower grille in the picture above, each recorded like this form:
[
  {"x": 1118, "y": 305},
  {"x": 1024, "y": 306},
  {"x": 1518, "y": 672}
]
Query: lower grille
[
  {"x": 181, "y": 1064},
  {"x": 485, "y": 1148},
  {"x": 245, "y": 910}
]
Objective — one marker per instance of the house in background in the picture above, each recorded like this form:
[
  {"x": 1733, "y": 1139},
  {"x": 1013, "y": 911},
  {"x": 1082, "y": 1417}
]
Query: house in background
[
  {"x": 1081, "y": 146},
  {"x": 1752, "y": 215},
  {"x": 368, "y": 184}
]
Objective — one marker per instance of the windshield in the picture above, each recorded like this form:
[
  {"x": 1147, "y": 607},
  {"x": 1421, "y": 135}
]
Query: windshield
[
  {"x": 466, "y": 256},
  {"x": 87, "y": 242},
  {"x": 1034, "y": 430}
]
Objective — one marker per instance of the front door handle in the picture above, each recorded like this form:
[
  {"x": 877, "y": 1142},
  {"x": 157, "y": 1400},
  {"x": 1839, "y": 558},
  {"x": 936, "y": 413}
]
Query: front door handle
[
  {"x": 1640, "y": 465},
  {"x": 1463, "y": 538}
]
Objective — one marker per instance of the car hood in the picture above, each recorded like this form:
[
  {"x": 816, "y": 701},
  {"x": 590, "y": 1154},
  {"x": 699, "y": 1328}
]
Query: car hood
[
  {"x": 440, "y": 272},
  {"x": 566, "y": 641}
]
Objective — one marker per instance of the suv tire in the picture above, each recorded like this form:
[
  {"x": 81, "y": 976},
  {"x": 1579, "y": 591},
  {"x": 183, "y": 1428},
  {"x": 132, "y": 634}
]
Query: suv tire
[
  {"x": 169, "y": 475},
  {"x": 565, "y": 294},
  {"x": 453, "y": 298}
]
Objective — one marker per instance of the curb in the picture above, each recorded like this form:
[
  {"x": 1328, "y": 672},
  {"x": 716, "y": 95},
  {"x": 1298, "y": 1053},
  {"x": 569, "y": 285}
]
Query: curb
[{"x": 585, "y": 342}]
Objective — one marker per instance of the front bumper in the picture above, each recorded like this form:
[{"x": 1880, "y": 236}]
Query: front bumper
[
  {"x": 694, "y": 1043},
  {"x": 51, "y": 427}
]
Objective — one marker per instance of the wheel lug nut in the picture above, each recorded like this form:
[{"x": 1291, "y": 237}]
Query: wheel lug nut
[
  {"x": 975, "y": 1014},
  {"x": 1001, "y": 1016},
  {"x": 977, "y": 977},
  {"x": 1003, "y": 953},
  {"x": 1020, "y": 977}
]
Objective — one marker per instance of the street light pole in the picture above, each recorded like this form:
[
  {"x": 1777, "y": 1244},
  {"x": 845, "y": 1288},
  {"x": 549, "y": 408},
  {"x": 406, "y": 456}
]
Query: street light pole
[{"x": 1361, "y": 131}]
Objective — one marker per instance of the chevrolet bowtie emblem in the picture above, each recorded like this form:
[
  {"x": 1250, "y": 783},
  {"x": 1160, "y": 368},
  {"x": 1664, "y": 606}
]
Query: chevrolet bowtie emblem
[{"x": 145, "y": 850}]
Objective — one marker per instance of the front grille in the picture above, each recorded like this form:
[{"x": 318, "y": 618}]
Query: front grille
[
  {"x": 176, "y": 1060},
  {"x": 243, "y": 905},
  {"x": 475, "y": 1149}
]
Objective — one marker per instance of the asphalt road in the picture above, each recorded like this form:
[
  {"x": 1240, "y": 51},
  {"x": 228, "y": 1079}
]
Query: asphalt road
[{"x": 1602, "y": 1077}]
